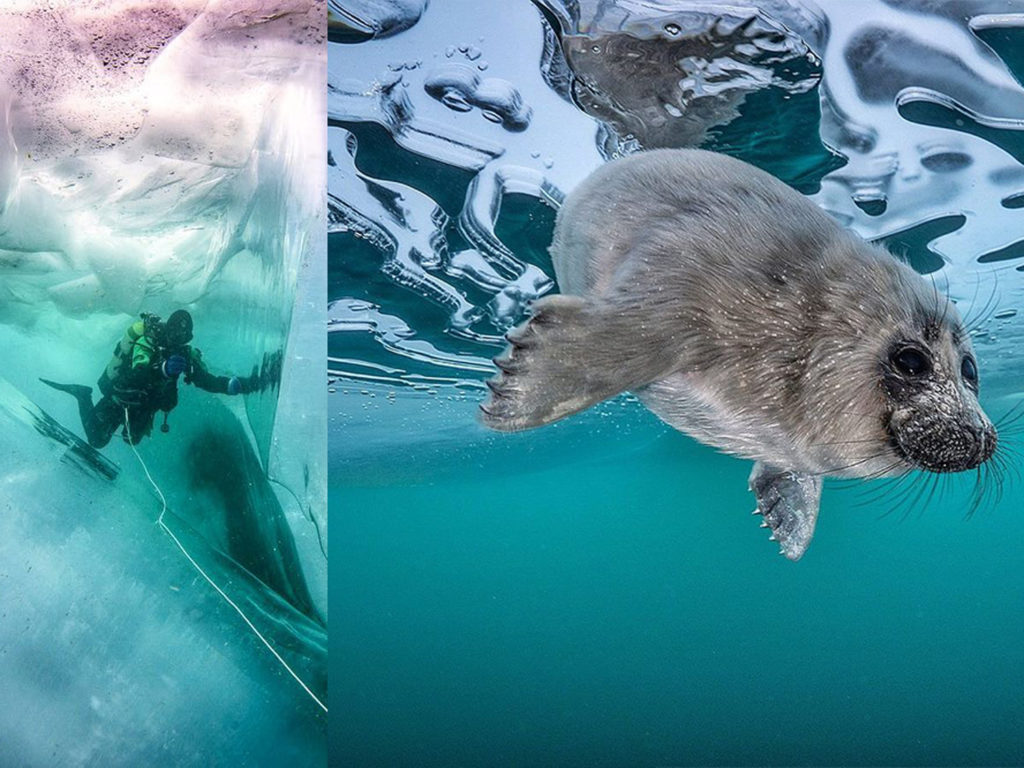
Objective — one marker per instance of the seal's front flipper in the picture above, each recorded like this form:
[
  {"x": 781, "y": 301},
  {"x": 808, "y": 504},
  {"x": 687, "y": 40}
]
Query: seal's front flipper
[
  {"x": 568, "y": 356},
  {"x": 789, "y": 503}
]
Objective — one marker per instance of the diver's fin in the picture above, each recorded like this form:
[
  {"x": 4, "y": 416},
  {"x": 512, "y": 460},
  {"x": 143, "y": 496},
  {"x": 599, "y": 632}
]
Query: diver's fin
[
  {"x": 789, "y": 503},
  {"x": 80, "y": 391},
  {"x": 568, "y": 356}
]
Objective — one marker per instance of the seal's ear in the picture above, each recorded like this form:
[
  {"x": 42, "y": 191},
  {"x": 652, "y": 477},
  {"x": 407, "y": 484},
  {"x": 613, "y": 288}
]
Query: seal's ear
[
  {"x": 789, "y": 502},
  {"x": 568, "y": 356}
]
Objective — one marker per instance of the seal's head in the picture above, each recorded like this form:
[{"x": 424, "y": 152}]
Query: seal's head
[{"x": 929, "y": 377}]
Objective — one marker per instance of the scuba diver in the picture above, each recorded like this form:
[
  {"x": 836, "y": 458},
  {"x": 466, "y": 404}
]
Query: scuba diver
[{"x": 142, "y": 378}]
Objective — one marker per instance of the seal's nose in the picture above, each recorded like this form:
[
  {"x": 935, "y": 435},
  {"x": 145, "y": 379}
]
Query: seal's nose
[{"x": 943, "y": 447}]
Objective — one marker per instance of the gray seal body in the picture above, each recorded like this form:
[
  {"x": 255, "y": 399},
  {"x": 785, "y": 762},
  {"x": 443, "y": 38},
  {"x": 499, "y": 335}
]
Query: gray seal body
[{"x": 742, "y": 314}]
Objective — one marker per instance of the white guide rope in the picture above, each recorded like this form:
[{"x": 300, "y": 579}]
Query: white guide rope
[{"x": 228, "y": 600}]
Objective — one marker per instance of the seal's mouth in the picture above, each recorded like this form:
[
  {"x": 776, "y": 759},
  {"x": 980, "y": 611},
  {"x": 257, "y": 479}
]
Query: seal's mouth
[{"x": 940, "y": 448}]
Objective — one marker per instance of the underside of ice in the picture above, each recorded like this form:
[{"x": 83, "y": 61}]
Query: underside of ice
[
  {"x": 153, "y": 157},
  {"x": 904, "y": 120}
]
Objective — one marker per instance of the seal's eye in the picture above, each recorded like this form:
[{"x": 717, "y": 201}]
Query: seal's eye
[
  {"x": 911, "y": 361},
  {"x": 969, "y": 370}
]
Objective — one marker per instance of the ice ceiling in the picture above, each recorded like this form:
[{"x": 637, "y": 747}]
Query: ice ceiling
[{"x": 128, "y": 144}]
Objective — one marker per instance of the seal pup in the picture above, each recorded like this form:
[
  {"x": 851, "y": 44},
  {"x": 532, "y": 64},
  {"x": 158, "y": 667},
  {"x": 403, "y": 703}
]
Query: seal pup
[{"x": 743, "y": 315}]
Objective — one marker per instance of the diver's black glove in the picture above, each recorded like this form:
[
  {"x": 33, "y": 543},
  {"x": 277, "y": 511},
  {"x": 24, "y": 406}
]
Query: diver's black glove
[{"x": 173, "y": 366}]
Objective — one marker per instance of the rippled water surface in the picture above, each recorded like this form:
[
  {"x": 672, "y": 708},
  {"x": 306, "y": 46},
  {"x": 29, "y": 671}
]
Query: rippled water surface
[{"x": 595, "y": 592}]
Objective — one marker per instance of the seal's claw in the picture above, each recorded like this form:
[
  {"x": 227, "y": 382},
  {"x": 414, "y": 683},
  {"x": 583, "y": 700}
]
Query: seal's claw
[
  {"x": 504, "y": 364},
  {"x": 495, "y": 385},
  {"x": 789, "y": 503}
]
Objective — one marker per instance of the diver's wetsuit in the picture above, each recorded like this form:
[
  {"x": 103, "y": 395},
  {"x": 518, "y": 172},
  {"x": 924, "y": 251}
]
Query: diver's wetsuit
[{"x": 134, "y": 379}]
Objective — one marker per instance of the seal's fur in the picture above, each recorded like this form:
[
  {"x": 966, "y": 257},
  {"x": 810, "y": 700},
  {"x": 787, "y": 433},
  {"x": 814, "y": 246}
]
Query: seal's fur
[{"x": 742, "y": 314}]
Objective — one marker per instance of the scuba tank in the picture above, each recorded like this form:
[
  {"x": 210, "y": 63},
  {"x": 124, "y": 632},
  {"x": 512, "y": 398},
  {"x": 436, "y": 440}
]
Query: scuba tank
[{"x": 121, "y": 358}]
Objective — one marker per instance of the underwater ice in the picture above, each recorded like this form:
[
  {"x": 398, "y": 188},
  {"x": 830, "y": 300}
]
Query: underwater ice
[
  {"x": 903, "y": 120},
  {"x": 151, "y": 157}
]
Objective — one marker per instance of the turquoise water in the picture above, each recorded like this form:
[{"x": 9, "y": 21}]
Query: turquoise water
[
  {"x": 596, "y": 592},
  {"x": 608, "y": 600}
]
